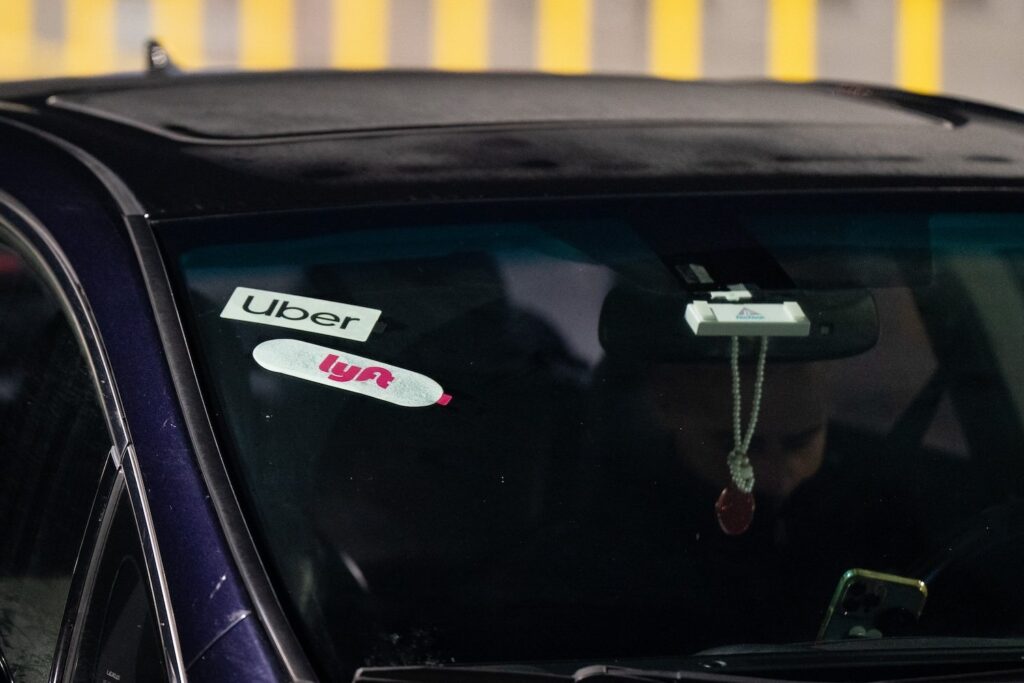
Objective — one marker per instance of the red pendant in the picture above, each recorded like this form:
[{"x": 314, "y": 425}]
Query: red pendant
[{"x": 735, "y": 510}]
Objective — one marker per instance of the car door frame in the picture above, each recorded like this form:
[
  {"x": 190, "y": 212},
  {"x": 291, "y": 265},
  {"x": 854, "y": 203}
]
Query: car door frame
[{"x": 35, "y": 243}]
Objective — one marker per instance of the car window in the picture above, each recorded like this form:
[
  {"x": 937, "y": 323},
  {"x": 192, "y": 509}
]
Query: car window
[
  {"x": 498, "y": 434},
  {"x": 53, "y": 443},
  {"x": 119, "y": 641}
]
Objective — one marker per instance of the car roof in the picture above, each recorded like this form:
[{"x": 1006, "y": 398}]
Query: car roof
[
  {"x": 254, "y": 106},
  {"x": 196, "y": 144}
]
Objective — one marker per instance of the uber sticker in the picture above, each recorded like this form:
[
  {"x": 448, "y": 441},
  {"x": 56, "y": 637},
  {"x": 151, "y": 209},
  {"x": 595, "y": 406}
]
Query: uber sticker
[
  {"x": 301, "y": 313},
  {"x": 350, "y": 372}
]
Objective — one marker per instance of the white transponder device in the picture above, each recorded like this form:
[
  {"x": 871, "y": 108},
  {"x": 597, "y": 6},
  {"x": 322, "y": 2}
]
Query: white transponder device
[{"x": 731, "y": 313}]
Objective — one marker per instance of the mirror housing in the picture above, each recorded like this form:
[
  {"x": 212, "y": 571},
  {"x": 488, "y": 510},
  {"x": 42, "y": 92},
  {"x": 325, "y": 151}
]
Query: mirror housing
[{"x": 644, "y": 325}]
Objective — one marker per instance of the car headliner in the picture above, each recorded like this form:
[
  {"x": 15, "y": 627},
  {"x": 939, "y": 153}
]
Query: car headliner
[{"x": 188, "y": 145}]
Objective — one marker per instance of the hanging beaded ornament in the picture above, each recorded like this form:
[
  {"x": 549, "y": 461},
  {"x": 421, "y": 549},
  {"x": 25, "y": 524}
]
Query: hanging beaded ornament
[{"x": 735, "y": 505}]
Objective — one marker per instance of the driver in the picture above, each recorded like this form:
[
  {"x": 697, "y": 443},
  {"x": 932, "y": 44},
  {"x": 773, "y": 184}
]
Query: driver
[
  {"x": 693, "y": 403},
  {"x": 818, "y": 511},
  {"x": 652, "y": 540}
]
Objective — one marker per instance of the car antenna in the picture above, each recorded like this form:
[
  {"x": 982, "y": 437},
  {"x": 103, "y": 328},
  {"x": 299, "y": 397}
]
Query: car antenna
[{"x": 158, "y": 60}]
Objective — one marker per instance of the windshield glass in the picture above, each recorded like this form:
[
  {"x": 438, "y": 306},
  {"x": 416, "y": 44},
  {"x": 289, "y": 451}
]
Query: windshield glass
[{"x": 504, "y": 433}]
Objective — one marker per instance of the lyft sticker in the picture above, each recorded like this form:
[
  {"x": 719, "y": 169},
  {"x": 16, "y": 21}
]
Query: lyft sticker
[
  {"x": 350, "y": 372},
  {"x": 301, "y": 313}
]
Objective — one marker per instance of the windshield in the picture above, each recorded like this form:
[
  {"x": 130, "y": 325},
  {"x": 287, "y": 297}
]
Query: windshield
[{"x": 503, "y": 432}]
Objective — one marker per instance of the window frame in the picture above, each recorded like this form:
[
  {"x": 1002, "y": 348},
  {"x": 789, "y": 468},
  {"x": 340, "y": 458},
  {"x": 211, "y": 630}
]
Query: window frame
[
  {"x": 284, "y": 642},
  {"x": 35, "y": 244},
  {"x": 115, "y": 483},
  {"x": 150, "y": 237}
]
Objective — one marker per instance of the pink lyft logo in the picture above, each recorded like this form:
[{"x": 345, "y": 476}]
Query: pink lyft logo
[
  {"x": 355, "y": 374},
  {"x": 343, "y": 372}
]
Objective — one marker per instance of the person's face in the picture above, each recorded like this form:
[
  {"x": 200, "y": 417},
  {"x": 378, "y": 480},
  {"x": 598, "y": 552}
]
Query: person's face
[{"x": 695, "y": 403}]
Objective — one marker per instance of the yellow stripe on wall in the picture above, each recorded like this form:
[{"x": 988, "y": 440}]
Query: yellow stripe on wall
[
  {"x": 268, "y": 34},
  {"x": 675, "y": 36},
  {"x": 792, "y": 39},
  {"x": 919, "y": 45},
  {"x": 563, "y": 35},
  {"x": 15, "y": 39},
  {"x": 47, "y": 59},
  {"x": 359, "y": 33},
  {"x": 461, "y": 34},
  {"x": 178, "y": 25},
  {"x": 90, "y": 44}
]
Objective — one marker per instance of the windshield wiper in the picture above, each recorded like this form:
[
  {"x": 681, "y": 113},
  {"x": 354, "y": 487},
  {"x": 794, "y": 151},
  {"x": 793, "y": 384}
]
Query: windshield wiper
[
  {"x": 757, "y": 664},
  {"x": 455, "y": 674},
  {"x": 593, "y": 674},
  {"x": 599, "y": 673}
]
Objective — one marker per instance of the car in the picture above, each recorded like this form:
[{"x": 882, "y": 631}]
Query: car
[{"x": 419, "y": 376}]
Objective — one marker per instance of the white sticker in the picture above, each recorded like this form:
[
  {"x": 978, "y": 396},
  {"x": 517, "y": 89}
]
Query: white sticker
[
  {"x": 350, "y": 372},
  {"x": 301, "y": 313}
]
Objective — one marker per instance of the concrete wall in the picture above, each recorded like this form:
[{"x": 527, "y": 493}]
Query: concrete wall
[{"x": 972, "y": 48}]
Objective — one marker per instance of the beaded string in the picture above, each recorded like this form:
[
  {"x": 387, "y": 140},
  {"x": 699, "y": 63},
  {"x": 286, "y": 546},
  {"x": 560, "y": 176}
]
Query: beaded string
[{"x": 740, "y": 469}]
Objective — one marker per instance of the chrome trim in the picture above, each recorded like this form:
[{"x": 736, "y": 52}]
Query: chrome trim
[
  {"x": 30, "y": 235},
  {"x": 125, "y": 481},
  {"x": 111, "y": 486},
  {"x": 240, "y": 541},
  {"x": 36, "y": 240},
  {"x": 154, "y": 565}
]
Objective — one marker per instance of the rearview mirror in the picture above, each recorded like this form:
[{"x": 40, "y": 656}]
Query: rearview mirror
[{"x": 643, "y": 325}]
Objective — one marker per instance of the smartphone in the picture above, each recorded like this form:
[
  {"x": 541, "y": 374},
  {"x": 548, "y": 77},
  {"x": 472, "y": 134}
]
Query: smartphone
[{"x": 870, "y": 604}]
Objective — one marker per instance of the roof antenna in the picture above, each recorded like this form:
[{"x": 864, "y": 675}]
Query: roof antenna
[{"x": 158, "y": 60}]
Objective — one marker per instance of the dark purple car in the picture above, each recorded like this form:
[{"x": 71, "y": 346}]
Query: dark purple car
[{"x": 438, "y": 377}]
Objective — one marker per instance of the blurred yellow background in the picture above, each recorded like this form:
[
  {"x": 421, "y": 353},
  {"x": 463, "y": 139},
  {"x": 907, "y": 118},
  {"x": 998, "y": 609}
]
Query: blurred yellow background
[{"x": 973, "y": 48}]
